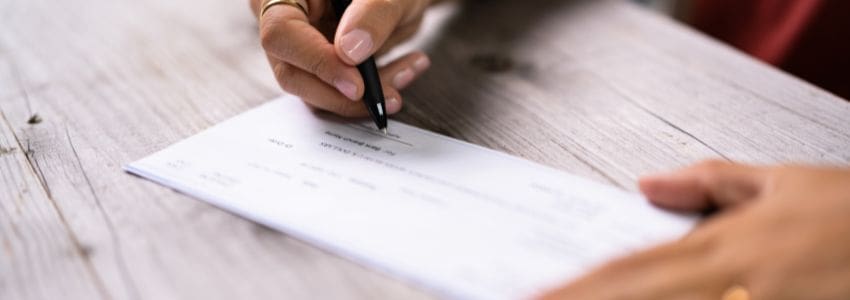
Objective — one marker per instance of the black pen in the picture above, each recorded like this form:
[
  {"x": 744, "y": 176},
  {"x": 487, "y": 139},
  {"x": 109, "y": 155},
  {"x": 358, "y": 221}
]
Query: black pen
[{"x": 373, "y": 96}]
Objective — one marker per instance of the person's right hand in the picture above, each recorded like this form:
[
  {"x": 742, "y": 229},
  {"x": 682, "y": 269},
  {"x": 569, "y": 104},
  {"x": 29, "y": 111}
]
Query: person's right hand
[
  {"x": 324, "y": 74},
  {"x": 780, "y": 233}
]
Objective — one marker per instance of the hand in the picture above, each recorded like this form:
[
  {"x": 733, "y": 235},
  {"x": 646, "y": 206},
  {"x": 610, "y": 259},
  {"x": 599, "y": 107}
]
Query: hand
[
  {"x": 323, "y": 74},
  {"x": 781, "y": 233}
]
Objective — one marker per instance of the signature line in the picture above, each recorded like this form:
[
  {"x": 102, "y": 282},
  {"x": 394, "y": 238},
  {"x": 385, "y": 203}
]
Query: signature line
[{"x": 369, "y": 131}]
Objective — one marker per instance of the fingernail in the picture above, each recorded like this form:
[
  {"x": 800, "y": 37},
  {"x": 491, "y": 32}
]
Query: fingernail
[
  {"x": 403, "y": 78},
  {"x": 393, "y": 105},
  {"x": 347, "y": 88},
  {"x": 422, "y": 64},
  {"x": 357, "y": 45}
]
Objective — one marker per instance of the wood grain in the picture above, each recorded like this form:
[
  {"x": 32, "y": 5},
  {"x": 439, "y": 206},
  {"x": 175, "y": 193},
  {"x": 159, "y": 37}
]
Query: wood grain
[
  {"x": 41, "y": 258},
  {"x": 602, "y": 89},
  {"x": 127, "y": 84}
]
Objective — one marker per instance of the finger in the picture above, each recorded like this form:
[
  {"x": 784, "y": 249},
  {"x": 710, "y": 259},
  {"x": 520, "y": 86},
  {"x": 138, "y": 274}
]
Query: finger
[
  {"x": 403, "y": 71},
  {"x": 287, "y": 36},
  {"x": 400, "y": 35},
  {"x": 316, "y": 9},
  {"x": 399, "y": 74},
  {"x": 711, "y": 183},
  {"x": 315, "y": 92},
  {"x": 605, "y": 282},
  {"x": 367, "y": 24},
  {"x": 672, "y": 271}
]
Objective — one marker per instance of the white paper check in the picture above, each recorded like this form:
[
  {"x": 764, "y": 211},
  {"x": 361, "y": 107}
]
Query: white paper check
[{"x": 457, "y": 219}]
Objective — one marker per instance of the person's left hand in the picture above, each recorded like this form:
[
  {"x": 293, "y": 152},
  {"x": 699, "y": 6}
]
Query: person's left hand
[
  {"x": 781, "y": 233},
  {"x": 315, "y": 57}
]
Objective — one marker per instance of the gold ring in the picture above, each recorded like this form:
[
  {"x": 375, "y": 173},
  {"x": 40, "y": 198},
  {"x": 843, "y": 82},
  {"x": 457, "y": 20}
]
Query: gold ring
[
  {"x": 295, "y": 3},
  {"x": 736, "y": 292}
]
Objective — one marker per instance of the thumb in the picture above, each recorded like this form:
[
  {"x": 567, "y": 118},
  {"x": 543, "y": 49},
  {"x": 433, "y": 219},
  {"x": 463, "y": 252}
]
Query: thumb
[
  {"x": 367, "y": 24},
  {"x": 711, "y": 183}
]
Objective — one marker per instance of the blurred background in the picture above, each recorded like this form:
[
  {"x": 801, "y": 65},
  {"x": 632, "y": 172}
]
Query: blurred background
[{"x": 807, "y": 38}]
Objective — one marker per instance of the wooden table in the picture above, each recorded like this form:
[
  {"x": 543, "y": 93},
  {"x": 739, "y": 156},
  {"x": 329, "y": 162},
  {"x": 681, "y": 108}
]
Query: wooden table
[{"x": 603, "y": 89}]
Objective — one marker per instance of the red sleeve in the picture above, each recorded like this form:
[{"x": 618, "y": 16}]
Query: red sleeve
[
  {"x": 808, "y": 38},
  {"x": 766, "y": 29}
]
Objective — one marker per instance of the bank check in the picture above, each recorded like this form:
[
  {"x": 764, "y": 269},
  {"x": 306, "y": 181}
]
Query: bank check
[{"x": 457, "y": 219}]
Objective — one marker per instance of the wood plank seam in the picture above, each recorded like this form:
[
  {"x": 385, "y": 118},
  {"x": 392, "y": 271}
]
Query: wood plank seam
[
  {"x": 126, "y": 279},
  {"x": 640, "y": 106},
  {"x": 78, "y": 249},
  {"x": 685, "y": 132},
  {"x": 592, "y": 167},
  {"x": 37, "y": 169}
]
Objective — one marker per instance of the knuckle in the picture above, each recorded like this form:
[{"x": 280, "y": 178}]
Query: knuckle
[
  {"x": 268, "y": 35},
  {"x": 287, "y": 78},
  {"x": 318, "y": 65},
  {"x": 273, "y": 39}
]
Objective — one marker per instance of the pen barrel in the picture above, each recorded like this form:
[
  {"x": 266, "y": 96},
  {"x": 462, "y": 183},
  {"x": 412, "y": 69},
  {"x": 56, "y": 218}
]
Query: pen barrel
[
  {"x": 373, "y": 95},
  {"x": 339, "y": 7}
]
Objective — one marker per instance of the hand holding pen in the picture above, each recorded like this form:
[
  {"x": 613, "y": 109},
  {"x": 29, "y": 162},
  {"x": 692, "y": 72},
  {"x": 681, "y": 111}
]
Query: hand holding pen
[{"x": 324, "y": 72}]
